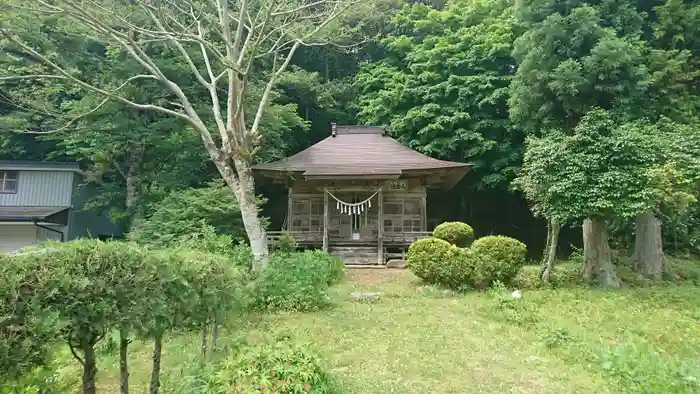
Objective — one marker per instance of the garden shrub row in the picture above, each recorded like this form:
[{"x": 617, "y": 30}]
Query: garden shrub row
[
  {"x": 80, "y": 291},
  {"x": 451, "y": 259}
]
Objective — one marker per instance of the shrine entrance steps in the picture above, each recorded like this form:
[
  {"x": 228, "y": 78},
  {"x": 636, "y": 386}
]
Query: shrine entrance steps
[{"x": 357, "y": 256}]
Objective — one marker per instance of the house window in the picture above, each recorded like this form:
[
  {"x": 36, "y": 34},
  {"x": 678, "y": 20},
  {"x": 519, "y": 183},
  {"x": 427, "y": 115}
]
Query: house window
[{"x": 8, "y": 181}]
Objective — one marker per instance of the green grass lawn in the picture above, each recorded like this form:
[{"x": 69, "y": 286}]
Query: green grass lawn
[{"x": 417, "y": 339}]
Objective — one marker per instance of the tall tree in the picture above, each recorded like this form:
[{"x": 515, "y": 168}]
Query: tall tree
[
  {"x": 221, "y": 43},
  {"x": 580, "y": 55}
]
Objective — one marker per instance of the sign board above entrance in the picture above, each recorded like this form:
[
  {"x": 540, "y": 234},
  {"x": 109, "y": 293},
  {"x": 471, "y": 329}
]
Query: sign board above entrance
[{"x": 397, "y": 185}]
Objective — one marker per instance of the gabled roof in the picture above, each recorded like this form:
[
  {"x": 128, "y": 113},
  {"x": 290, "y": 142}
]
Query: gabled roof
[{"x": 359, "y": 150}]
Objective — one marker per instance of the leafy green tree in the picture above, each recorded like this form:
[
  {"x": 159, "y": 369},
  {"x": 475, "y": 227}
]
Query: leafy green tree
[
  {"x": 220, "y": 43},
  {"x": 185, "y": 212},
  {"x": 80, "y": 291},
  {"x": 576, "y": 56},
  {"x": 606, "y": 168},
  {"x": 443, "y": 86}
]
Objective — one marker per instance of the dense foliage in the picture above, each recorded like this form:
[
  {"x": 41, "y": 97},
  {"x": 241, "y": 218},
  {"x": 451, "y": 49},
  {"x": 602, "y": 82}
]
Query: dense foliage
[
  {"x": 183, "y": 213},
  {"x": 285, "y": 366},
  {"x": 294, "y": 282},
  {"x": 274, "y": 363},
  {"x": 442, "y": 85}
]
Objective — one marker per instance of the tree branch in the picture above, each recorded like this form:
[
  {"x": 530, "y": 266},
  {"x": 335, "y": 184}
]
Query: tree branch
[
  {"x": 88, "y": 86},
  {"x": 75, "y": 355},
  {"x": 180, "y": 48},
  {"x": 37, "y": 76}
]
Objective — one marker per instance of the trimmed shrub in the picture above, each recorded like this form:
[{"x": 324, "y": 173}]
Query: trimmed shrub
[
  {"x": 438, "y": 262},
  {"x": 294, "y": 282},
  {"x": 456, "y": 233},
  {"x": 496, "y": 257},
  {"x": 77, "y": 291}
]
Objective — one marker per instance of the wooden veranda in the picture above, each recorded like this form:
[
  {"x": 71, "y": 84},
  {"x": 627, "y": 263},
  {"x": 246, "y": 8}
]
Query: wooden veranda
[{"x": 359, "y": 190}]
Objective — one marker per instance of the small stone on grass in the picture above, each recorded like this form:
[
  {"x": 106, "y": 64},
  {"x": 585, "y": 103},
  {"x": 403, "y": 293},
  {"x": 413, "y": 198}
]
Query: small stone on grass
[{"x": 362, "y": 296}]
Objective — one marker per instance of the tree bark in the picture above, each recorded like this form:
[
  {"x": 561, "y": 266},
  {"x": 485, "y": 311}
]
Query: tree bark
[
  {"x": 204, "y": 344},
  {"x": 648, "y": 254},
  {"x": 155, "y": 371},
  {"x": 545, "y": 251},
  {"x": 89, "y": 366},
  {"x": 133, "y": 183},
  {"x": 552, "y": 243},
  {"x": 597, "y": 264},
  {"x": 245, "y": 193},
  {"x": 214, "y": 336},
  {"x": 123, "y": 362}
]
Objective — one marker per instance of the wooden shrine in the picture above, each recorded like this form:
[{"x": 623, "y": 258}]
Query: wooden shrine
[{"x": 361, "y": 189}]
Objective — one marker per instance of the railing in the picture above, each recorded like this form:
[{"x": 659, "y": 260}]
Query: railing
[
  {"x": 301, "y": 237},
  {"x": 316, "y": 237},
  {"x": 404, "y": 237}
]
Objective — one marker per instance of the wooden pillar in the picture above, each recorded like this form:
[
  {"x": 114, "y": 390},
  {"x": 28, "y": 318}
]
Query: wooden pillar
[
  {"x": 325, "y": 220},
  {"x": 380, "y": 228},
  {"x": 424, "y": 212},
  {"x": 290, "y": 203}
]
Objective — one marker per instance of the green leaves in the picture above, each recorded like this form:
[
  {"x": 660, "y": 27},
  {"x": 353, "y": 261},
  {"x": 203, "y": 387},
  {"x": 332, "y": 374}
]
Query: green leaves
[
  {"x": 607, "y": 167},
  {"x": 443, "y": 87},
  {"x": 181, "y": 214}
]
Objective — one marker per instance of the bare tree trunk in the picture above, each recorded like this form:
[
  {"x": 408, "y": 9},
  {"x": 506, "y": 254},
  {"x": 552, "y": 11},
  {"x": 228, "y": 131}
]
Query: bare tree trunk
[
  {"x": 155, "y": 372},
  {"x": 545, "y": 251},
  {"x": 214, "y": 336},
  {"x": 250, "y": 214},
  {"x": 597, "y": 264},
  {"x": 204, "y": 344},
  {"x": 123, "y": 362},
  {"x": 648, "y": 254},
  {"x": 553, "y": 241},
  {"x": 89, "y": 366},
  {"x": 133, "y": 183}
]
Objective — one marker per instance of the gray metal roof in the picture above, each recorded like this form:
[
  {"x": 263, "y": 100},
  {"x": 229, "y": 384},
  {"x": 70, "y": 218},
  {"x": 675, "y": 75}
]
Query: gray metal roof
[
  {"x": 30, "y": 165},
  {"x": 28, "y": 213}
]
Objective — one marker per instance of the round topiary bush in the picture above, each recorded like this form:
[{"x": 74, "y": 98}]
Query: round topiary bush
[
  {"x": 496, "y": 257},
  {"x": 456, "y": 233},
  {"x": 438, "y": 262}
]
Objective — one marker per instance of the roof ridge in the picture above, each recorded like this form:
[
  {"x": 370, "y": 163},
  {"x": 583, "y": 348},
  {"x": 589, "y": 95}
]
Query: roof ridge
[{"x": 358, "y": 129}]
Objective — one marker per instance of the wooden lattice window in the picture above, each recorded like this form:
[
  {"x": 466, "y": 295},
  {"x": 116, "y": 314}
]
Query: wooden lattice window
[
  {"x": 402, "y": 215},
  {"x": 307, "y": 215}
]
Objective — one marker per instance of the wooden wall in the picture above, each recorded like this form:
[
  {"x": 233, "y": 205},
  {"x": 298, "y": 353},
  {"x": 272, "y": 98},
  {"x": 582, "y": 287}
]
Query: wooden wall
[{"x": 403, "y": 210}]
